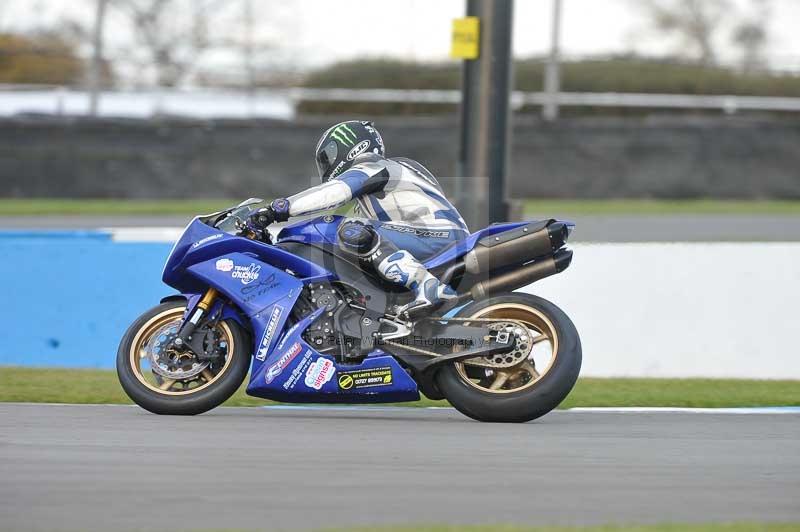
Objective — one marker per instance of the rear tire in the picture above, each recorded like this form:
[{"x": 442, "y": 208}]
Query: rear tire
[
  {"x": 539, "y": 394},
  {"x": 142, "y": 385}
]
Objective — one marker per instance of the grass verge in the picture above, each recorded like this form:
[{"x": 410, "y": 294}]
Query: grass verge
[
  {"x": 533, "y": 208},
  {"x": 38, "y": 385},
  {"x": 106, "y": 207}
]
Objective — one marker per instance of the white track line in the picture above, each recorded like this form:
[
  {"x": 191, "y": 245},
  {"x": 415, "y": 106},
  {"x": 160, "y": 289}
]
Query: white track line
[
  {"x": 162, "y": 235},
  {"x": 166, "y": 235},
  {"x": 771, "y": 410},
  {"x": 679, "y": 410},
  {"x": 612, "y": 410}
]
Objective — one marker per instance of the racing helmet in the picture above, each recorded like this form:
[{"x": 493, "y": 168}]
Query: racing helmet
[{"x": 341, "y": 144}]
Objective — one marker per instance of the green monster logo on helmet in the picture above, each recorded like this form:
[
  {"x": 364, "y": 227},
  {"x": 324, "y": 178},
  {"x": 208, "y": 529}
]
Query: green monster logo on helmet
[{"x": 343, "y": 134}]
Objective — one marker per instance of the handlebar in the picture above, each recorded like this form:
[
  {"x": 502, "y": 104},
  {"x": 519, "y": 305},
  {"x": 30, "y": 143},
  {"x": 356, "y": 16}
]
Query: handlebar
[{"x": 236, "y": 221}]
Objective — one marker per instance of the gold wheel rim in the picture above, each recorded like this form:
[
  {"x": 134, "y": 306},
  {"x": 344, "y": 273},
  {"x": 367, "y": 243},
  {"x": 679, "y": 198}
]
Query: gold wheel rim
[
  {"x": 535, "y": 321},
  {"x": 156, "y": 323}
]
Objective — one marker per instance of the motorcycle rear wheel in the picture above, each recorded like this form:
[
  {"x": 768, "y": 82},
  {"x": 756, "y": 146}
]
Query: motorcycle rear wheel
[
  {"x": 206, "y": 386},
  {"x": 531, "y": 388}
]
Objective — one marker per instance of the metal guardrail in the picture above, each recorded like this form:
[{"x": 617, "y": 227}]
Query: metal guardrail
[
  {"x": 375, "y": 95},
  {"x": 23, "y": 87},
  {"x": 726, "y": 103},
  {"x": 221, "y": 103},
  {"x": 729, "y": 104}
]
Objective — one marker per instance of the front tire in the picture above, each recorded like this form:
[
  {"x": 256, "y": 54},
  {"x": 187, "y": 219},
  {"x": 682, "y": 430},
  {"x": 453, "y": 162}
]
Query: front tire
[
  {"x": 529, "y": 389},
  {"x": 204, "y": 386}
]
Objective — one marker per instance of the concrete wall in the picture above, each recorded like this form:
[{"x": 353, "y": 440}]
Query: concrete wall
[
  {"x": 68, "y": 297},
  {"x": 683, "y": 309},
  {"x": 642, "y": 310},
  {"x": 725, "y": 157}
]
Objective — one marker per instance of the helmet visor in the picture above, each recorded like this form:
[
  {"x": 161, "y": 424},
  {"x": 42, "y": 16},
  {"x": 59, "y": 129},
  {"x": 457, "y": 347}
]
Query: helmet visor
[{"x": 326, "y": 158}]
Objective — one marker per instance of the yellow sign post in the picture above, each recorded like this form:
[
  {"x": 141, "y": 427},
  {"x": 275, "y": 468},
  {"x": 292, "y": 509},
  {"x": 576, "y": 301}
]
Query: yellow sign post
[{"x": 466, "y": 39}]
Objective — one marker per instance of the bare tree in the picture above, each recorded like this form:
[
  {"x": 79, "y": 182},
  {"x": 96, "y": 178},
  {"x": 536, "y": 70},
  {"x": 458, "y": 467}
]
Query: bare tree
[
  {"x": 751, "y": 35},
  {"x": 174, "y": 34},
  {"x": 172, "y": 42},
  {"x": 4, "y": 17},
  {"x": 263, "y": 24},
  {"x": 695, "y": 23}
]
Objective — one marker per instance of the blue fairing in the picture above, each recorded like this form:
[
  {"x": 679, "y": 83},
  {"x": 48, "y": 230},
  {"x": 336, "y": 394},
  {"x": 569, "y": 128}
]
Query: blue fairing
[
  {"x": 262, "y": 283},
  {"x": 322, "y": 231},
  {"x": 463, "y": 246},
  {"x": 200, "y": 242},
  {"x": 296, "y": 372},
  {"x": 317, "y": 231}
]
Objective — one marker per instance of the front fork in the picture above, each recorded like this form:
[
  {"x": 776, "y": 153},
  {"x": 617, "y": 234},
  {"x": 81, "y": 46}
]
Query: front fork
[{"x": 184, "y": 337}]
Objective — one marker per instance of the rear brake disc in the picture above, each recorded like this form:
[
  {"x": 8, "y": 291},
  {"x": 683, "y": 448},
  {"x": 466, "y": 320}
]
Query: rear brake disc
[{"x": 503, "y": 332}]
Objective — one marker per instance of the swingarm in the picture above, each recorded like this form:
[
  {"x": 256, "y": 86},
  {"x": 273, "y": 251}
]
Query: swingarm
[{"x": 443, "y": 341}]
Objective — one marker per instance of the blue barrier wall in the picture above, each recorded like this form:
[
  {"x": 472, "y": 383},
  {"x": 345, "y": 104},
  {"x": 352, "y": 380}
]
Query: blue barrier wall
[{"x": 68, "y": 297}]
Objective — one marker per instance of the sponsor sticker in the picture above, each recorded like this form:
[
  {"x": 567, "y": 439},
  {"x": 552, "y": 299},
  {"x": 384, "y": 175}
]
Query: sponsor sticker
[
  {"x": 338, "y": 169},
  {"x": 377, "y": 136},
  {"x": 225, "y": 265},
  {"x": 287, "y": 335},
  {"x": 206, "y": 240},
  {"x": 254, "y": 290},
  {"x": 429, "y": 233},
  {"x": 263, "y": 346},
  {"x": 319, "y": 372},
  {"x": 277, "y": 368},
  {"x": 344, "y": 134},
  {"x": 359, "y": 148},
  {"x": 246, "y": 274},
  {"x": 365, "y": 378},
  {"x": 297, "y": 371}
]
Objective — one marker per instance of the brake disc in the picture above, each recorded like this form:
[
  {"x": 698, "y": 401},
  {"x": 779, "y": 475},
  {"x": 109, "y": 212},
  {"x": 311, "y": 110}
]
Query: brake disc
[
  {"x": 168, "y": 362},
  {"x": 504, "y": 332}
]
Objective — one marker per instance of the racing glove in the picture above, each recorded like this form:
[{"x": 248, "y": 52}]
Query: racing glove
[{"x": 277, "y": 211}]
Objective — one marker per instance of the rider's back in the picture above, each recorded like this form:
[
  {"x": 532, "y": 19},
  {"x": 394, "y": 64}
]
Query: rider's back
[{"x": 401, "y": 190}]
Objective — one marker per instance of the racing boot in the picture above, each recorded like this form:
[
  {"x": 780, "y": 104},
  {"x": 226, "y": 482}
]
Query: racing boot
[{"x": 403, "y": 269}]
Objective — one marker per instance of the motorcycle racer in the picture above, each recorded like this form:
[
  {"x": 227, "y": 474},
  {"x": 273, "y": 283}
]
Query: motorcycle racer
[{"x": 403, "y": 215}]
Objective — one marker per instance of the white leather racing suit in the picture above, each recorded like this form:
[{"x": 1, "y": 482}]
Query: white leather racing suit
[
  {"x": 405, "y": 204},
  {"x": 389, "y": 190}
]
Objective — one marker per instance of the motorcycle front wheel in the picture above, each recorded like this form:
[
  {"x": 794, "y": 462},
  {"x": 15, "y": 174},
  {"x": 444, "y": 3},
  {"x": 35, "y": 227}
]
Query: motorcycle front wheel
[
  {"x": 548, "y": 364},
  {"x": 164, "y": 381}
]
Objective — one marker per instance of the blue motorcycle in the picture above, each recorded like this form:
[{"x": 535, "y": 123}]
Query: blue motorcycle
[{"x": 312, "y": 326}]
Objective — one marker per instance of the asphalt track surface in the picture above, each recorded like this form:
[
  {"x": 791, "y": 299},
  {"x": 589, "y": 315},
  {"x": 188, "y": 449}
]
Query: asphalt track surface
[
  {"x": 617, "y": 228},
  {"x": 120, "y": 468}
]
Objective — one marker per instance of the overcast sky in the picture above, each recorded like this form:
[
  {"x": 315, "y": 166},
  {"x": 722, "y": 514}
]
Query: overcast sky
[{"x": 320, "y": 31}]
